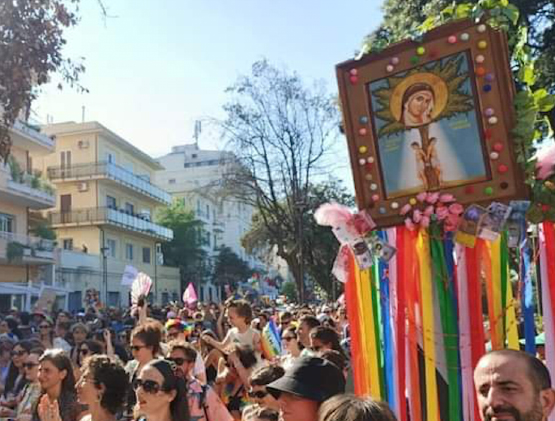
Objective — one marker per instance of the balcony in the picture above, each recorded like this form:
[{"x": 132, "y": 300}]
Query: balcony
[
  {"x": 25, "y": 249},
  {"x": 25, "y": 189},
  {"x": 27, "y": 136},
  {"x": 108, "y": 170},
  {"x": 109, "y": 216}
]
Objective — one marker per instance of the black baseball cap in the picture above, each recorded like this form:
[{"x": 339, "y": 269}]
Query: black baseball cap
[{"x": 311, "y": 378}]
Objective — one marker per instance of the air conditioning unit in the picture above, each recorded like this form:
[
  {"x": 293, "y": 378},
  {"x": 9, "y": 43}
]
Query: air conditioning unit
[
  {"x": 84, "y": 186},
  {"x": 83, "y": 144}
]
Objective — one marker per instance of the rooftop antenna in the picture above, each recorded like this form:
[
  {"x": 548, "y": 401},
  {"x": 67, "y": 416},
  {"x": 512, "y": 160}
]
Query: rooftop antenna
[{"x": 198, "y": 130}]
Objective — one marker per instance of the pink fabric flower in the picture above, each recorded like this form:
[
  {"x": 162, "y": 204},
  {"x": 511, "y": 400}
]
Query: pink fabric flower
[
  {"x": 425, "y": 222},
  {"x": 405, "y": 209},
  {"x": 446, "y": 198},
  {"x": 421, "y": 197},
  {"x": 432, "y": 197},
  {"x": 429, "y": 211},
  {"x": 456, "y": 208},
  {"x": 409, "y": 224},
  {"x": 451, "y": 223},
  {"x": 416, "y": 216},
  {"x": 442, "y": 213}
]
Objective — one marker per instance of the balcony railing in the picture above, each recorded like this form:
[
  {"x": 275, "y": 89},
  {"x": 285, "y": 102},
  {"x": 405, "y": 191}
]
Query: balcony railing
[
  {"x": 104, "y": 215},
  {"x": 112, "y": 171},
  {"x": 28, "y": 241}
]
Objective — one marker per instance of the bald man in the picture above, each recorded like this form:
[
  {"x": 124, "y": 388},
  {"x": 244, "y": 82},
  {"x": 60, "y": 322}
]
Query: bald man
[{"x": 513, "y": 385}]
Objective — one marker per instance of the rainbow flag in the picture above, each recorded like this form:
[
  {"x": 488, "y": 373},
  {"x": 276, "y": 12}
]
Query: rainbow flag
[{"x": 271, "y": 341}]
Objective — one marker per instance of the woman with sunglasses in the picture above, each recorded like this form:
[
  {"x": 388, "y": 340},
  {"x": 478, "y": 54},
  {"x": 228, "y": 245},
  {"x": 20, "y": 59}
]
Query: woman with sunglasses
[
  {"x": 79, "y": 332},
  {"x": 58, "y": 401},
  {"x": 291, "y": 347},
  {"x": 161, "y": 392},
  {"x": 88, "y": 349},
  {"x": 102, "y": 387},
  {"x": 46, "y": 334},
  {"x": 258, "y": 393},
  {"x": 145, "y": 347},
  {"x": 15, "y": 380},
  {"x": 31, "y": 392}
]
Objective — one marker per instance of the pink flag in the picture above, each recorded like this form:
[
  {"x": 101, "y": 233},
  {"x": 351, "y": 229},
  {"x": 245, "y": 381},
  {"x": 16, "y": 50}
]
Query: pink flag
[{"x": 190, "y": 295}]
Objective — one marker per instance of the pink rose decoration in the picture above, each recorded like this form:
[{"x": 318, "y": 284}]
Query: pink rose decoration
[
  {"x": 451, "y": 223},
  {"x": 445, "y": 198},
  {"x": 429, "y": 211},
  {"x": 442, "y": 213},
  {"x": 422, "y": 196},
  {"x": 405, "y": 209},
  {"x": 456, "y": 209},
  {"x": 409, "y": 224},
  {"x": 425, "y": 222},
  {"x": 432, "y": 197},
  {"x": 416, "y": 216}
]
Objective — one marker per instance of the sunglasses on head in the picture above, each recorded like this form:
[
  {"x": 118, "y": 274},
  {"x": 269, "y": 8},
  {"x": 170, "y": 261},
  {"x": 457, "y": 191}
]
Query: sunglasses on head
[
  {"x": 259, "y": 394},
  {"x": 29, "y": 365},
  {"x": 19, "y": 353},
  {"x": 149, "y": 386}
]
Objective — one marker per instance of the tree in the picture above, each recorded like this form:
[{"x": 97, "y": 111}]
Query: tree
[
  {"x": 31, "y": 43},
  {"x": 535, "y": 19},
  {"x": 280, "y": 132},
  {"x": 184, "y": 251},
  {"x": 229, "y": 268},
  {"x": 320, "y": 246}
]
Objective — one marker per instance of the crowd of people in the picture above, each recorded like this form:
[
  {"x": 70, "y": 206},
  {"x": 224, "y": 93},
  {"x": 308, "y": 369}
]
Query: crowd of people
[{"x": 208, "y": 363}]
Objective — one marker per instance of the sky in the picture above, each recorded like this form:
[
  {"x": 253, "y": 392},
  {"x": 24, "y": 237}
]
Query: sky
[{"x": 156, "y": 66}]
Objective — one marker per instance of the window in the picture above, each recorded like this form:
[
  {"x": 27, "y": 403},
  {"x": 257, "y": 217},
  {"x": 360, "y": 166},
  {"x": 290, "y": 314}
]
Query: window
[
  {"x": 7, "y": 222},
  {"x": 207, "y": 238},
  {"x": 111, "y": 245},
  {"x": 129, "y": 251},
  {"x": 129, "y": 208},
  {"x": 198, "y": 207},
  {"x": 194, "y": 155},
  {"x": 111, "y": 202},
  {"x": 171, "y": 181},
  {"x": 68, "y": 243},
  {"x": 146, "y": 255},
  {"x": 65, "y": 159},
  {"x": 110, "y": 158}
]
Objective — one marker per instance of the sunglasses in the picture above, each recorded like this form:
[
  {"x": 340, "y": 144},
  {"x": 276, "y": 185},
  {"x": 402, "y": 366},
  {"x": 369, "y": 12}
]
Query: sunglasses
[
  {"x": 288, "y": 338},
  {"x": 137, "y": 348},
  {"x": 259, "y": 394},
  {"x": 180, "y": 361},
  {"x": 29, "y": 365},
  {"x": 44, "y": 326},
  {"x": 84, "y": 351},
  {"x": 19, "y": 353},
  {"x": 149, "y": 386}
]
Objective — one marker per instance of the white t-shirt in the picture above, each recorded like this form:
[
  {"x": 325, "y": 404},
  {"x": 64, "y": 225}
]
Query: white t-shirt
[{"x": 250, "y": 337}]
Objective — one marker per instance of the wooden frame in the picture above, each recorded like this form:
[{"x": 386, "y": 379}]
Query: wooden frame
[{"x": 432, "y": 116}]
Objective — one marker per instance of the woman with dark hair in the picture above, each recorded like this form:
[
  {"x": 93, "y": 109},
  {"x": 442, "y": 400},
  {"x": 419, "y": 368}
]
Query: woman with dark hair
[
  {"x": 58, "y": 400},
  {"x": 161, "y": 392},
  {"x": 291, "y": 346},
  {"x": 417, "y": 105},
  {"x": 210, "y": 355},
  {"x": 88, "y": 348},
  {"x": 354, "y": 408},
  {"x": 15, "y": 380},
  {"x": 46, "y": 333},
  {"x": 9, "y": 327},
  {"x": 102, "y": 387},
  {"x": 324, "y": 338}
]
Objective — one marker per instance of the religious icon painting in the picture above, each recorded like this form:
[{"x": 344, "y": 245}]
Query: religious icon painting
[{"x": 433, "y": 116}]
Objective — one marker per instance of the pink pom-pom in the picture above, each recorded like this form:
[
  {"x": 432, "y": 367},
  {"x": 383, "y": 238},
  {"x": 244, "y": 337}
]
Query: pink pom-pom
[
  {"x": 425, "y": 222},
  {"x": 421, "y": 197},
  {"x": 456, "y": 209},
  {"x": 332, "y": 214},
  {"x": 432, "y": 197},
  {"x": 429, "y": 211},
  {"x": 405, "y": 209},
  {"x": 546, "y": 163},
  {"x": 409, "y": 224},
  {"x": 442, "y": 213},
  {"x": 416, "y": 216},
  {"x": 446, "y": 198}
]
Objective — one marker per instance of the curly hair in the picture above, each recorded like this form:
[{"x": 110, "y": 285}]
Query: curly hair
[{"x": 111, "y": 374}]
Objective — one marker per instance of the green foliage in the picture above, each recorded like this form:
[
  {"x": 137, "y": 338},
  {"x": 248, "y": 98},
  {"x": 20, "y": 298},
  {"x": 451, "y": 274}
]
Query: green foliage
[
  {"x": 184, "y": 251},
  {"x": 229, "y": 268},
  {"x": 31, "y": 43},
  {"x": 14, "y": 251},
  {"x": 289, "y": 289},
  {"x": 44, "y": 231},
  {"x": 15, "y": 170}
]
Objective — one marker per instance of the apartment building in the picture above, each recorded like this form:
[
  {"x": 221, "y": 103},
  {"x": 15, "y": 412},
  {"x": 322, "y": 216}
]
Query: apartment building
[
  {"x": 105, "y": 206},
  {"x": 194, "y": 175},
  {"x": 26, "y": 261}
]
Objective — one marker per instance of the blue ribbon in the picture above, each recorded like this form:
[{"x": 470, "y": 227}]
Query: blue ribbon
[{"x": 527, "y": 298}]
